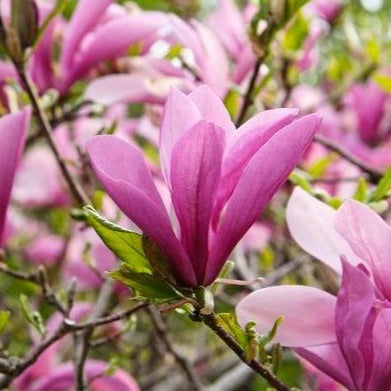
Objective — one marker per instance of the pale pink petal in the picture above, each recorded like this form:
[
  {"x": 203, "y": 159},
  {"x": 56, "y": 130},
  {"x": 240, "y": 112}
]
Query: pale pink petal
[
  {"x": 180, "y": 114},
  {"x": 370, "y": 238},
  {"x": 308, "y": 314},
  {"x": 311, "y": 224}
]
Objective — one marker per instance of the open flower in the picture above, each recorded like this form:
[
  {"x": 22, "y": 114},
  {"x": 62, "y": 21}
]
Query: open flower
[
  {"x": 220, "y": 178},
  {"x": 348, "y": 337},
  {"x": 13, "y": 129},
  {"x": 354, "y": 231}
]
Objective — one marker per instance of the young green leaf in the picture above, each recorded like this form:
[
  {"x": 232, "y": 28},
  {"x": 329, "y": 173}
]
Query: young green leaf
[
  {"x": 4, "y": 317},
  {"x": 145, "y": 284},
  {"x": 126, "y": 245},
  {"x": 32, "y": 316},
  {"x": 383, "y": 188}
]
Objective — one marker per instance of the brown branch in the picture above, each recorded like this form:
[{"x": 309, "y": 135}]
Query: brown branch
[
  {"x": 210, "y": 320},
  {"x": 76, "y": 190},
  {"x": 373, "y": 174},
  {"x": 248, "y": 98}
]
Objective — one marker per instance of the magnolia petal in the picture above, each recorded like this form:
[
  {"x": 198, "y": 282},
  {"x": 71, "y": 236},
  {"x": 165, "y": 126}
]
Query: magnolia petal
[
  {"x": 381, "y": 374},
  {"x": 243, "y": 144},
  {"x": 13, "y": 130},
  {"x": 195, "y": 174},
  {"x": 308, "y": 314},
  {"x": 370, "y": 238},
  {"x": 354, "y": 319},
  {"x": 329, "y": 359},
  {"x": 122, "y": 170},
  {"x": 63, "y": 377},
  {"x": 262, "y": 177},
  {"x": 84, "y": 18},
  {"x": 311, "y": 224},
  {"x": 180, "y": 114},
  {"x": 212, "y": 108}
]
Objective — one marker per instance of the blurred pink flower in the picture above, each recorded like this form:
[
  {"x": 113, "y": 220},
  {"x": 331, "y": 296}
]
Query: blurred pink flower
[
  {"x": 210, "y": 170},
  {"x": 13, "y": 130},
  {"x": 326, "y": 9}
]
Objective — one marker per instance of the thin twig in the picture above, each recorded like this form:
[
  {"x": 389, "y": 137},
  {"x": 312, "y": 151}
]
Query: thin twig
[
  {"x": 194, "y": 382},
  {"x": 248, "y": 98},
  {"x": 210, "y": 320},
  {"x": 374, "y": 174},
  {"x": 76, "y": 190}
]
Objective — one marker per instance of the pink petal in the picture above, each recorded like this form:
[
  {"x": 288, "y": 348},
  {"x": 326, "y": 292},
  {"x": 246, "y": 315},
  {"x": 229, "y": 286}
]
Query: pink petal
[
  {"x": 180, "y": 114},
  {"x": 308, "y": 314},
  {"x": 354, "y": 319},
  {"x": 195, "y": 174},
  {"x": 262, "y": 177},
  {"x": 370, "y": 238},
  {"x": 242, "y": 146},
  {"x": 122, "y": 170},
  {"x": 311, "y": 224},
  {"x": 381, "y": 374},
  {"x": 329, "y": 359},
  {"x": 84, "y": 18},
  {"x": 212, "y": 108},
  {"x": 13, "y": 130}
]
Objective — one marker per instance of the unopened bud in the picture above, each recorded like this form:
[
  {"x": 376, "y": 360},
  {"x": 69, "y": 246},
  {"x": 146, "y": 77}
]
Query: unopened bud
[{"x": 24, "y": 20}]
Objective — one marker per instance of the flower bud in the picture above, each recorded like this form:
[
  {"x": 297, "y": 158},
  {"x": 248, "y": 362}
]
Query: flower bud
[{"x": 24, "y": 20}]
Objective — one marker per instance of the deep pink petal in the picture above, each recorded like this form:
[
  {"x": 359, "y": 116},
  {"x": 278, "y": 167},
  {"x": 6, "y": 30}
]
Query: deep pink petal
[
  {"x": 354, "y": 316},
  {"x": 242, "y": 146},
  {"x": 308, "y": 314},
  {"x": 13, "y": 130},
  {"x": 195, "y": 174},
  {"x": 311, "y": 224},
  {"x": 381, "y": 373},
  {"x": 262, "y": 177},
  {"x": 122, "y": 170},
  {"x": 370, "y": 238},
  {"x": 329, "y": 359}
]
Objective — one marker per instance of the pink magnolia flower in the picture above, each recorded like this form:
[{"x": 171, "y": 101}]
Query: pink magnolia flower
[
  {"x": 326, "y": 9},
  {"x": 347, "y": 337},
  {"x": 13, "y": 130},
  {"x": 216, "y": 175},
  {"x": 354, "y": 231},
  {"x": 63, "y": 378},
  {"x": 368, "y": 103},
  {"x": 231, "y": 27}
]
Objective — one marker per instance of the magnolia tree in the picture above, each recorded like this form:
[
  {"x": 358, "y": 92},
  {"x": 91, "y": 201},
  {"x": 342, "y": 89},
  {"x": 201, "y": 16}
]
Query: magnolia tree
[{"x": 194, "y": 195}]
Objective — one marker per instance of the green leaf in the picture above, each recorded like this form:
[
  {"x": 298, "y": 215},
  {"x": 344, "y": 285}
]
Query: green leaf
[
  {"x": 318, "y": 168},
  {"x": 32, "y": 316},
  {"x": 298, "y": 179},
  {"x": 266, "y": 338},
  {"x": 231, "y": 102},
  {"x": 230, "y": 323},
  {"x": 383, "y": 188},
  {"x": 361, "y": 190},
  {"x": 4, "y": 317},
  {"x": 126, "y": 245},
  {"x": 174, "y": 51},
  {"x": 295, "y": 34},
  {"x": 252, "y": 348},
  {"x": 145, "y": 284}
]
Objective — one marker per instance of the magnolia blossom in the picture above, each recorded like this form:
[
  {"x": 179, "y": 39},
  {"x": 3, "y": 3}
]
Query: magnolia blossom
[
  {"x": 368, "y": 103},
  {"x": 347, "y": 338},
  {"x": 13, "y": 130},
  {"x": 212, "y": 171},
  {"x": 326, "y": 9}
]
